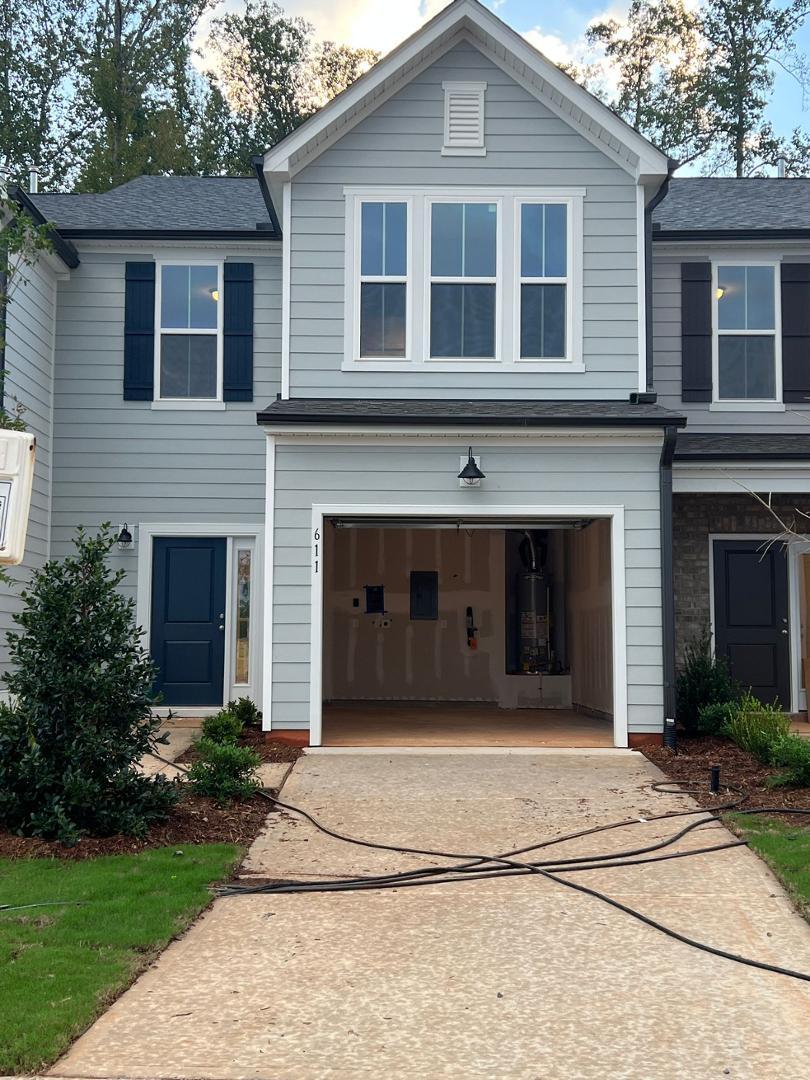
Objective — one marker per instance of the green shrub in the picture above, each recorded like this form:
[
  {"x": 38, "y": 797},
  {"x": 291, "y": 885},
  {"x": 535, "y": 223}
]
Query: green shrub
[
  {"x": 792, "y": 753},
  {"x": 224, "y": 772},
  {"x": 81, "y": 687},
  {"x": 712, "y": 719},
  {"x": 222, "y": 727},
  {"x": 757, "y": 728},
  {"x": 246, "y": 711},
  {"x": 703, "y": 680}
]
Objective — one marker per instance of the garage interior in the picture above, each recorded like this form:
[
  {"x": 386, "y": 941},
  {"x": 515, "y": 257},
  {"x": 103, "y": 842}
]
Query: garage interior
[{"x": 452, "y": 633}]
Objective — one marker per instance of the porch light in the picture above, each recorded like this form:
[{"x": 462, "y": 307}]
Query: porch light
[
  {"x": 124, "y": 538},
  {"x": 471, "y": 474},
  {"x": 720, "y": 293}
]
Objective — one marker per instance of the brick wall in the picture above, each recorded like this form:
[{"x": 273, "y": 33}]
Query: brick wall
[{"x": 694, "y": 517}]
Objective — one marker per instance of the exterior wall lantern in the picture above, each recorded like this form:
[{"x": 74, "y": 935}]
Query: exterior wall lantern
[
  {"x": 124, "y": 538},
  {"x": 471, "y": 475}
]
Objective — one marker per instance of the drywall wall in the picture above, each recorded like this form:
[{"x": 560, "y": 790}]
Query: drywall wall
[{"x": 588, "y": 616}]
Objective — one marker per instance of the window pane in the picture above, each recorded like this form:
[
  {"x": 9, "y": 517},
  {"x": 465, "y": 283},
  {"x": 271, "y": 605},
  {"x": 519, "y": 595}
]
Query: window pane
[
  {"x": 382, "y": 319},
  {"x": 543, "y": 241},
  {"x": 242, "y": 665},
  {"x": 371, "y": 244},
  {"x": 174, "y": 286},
  {"x": 446, "y": 239},
  {"x": 188, "y": 366},
  {"x": 747, "y": 368},
  {"x": 760, "y": 298},
  {"x": 396, "y": 230},
  {"x": 480, "y": 239},
  {"x": 187, "y": 297},
  {"x": 542, "y": 321},
  {"x": 745, "y": 297},
  {"x": 462, "y": 321},
  {"x": 204, "y": 297}
]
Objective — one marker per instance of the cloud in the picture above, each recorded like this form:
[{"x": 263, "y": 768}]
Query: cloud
[{"x": 366, "y": 23}]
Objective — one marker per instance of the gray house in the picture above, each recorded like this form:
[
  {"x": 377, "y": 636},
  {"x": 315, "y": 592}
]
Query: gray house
[{"x": 447, "y": 426}]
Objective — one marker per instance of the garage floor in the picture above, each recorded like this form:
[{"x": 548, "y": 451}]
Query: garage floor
[
  {"x": 515, "y": 978},
  {"x": 437, "y": 724}
]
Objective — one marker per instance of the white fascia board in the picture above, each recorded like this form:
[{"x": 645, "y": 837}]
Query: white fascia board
[
  {"x": 406, "y": 435},
  {"x": 180, "y": 248},
  {"x": 476, "y": 19},
  {"x": 741, "y": 478}
]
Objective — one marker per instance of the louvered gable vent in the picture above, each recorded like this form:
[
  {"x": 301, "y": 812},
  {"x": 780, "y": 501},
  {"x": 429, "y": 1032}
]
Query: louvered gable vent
[{"x": 464, "y": 118}]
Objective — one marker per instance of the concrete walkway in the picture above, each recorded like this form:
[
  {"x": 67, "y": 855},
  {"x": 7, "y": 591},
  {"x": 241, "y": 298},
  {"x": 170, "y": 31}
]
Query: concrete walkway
[{"x": 502, "y": 978}]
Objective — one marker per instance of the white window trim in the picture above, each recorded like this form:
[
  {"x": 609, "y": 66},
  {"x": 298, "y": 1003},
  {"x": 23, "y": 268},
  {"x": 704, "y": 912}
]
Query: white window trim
[
  {"x": 474, "y": 148},
  {"x": 429, "y": 280},
  {"x": 354, "y": 239},
  {"x": 508, "y": 314},
  {"x": 775, "y": 403},
  {"x": 217, "y": 402},
  {"x": 572, "y": 280}
]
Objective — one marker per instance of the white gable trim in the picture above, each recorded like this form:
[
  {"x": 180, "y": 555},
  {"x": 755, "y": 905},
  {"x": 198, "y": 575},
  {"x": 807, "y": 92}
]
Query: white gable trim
[{"x": 468, "y": 19}]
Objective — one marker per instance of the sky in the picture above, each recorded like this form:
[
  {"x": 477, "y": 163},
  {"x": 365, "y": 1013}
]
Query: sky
[{"x": 554, "y": 28}]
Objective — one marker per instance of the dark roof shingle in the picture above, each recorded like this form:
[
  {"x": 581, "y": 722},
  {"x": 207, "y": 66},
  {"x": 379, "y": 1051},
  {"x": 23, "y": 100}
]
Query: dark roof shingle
[
  {"x": 436, "y": 412},
  {"x": 696, "y": 204},
  {"x": 171, "y": 204},
  {"x": 723, "y": 446}
]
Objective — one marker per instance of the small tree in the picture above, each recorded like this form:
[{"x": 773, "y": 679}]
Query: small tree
[{"x": 81, "y": 718}]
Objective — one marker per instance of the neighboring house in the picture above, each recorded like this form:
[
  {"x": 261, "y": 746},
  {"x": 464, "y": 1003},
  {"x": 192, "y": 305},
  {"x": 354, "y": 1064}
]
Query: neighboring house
[{"x": 463, "y": 262}]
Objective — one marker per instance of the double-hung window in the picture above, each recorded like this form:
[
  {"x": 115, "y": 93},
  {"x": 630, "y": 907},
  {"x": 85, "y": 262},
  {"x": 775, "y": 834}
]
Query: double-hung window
[
  {"x": 383, "y": 298},
  {"x": 543, "y": 280},
  {"x": 463, "y": 280},
  {"x": 188, "y": 349},
  {"x": 747, "y": 349}
]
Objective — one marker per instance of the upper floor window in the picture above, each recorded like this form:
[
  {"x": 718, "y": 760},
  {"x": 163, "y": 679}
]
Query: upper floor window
[
  {"x": 543, "y": 277},
  {"x": 383, "y": 279},
  {"x": 747, "y": 346},
  {"x": 188, "y": 345},
  {"x": 464, "y": 278}
]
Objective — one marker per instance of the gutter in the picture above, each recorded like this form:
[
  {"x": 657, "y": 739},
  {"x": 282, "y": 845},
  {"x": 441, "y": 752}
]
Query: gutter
[
  {"x": 63, "y": 247},
  {"x": 372, "y": 419},
  {"x": 659, "y": 234},
  {"x": 170, "y": 234},
  {"x": 668, "y": 586}
]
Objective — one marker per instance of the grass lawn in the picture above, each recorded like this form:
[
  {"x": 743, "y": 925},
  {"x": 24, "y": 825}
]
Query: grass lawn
[
  {"x": 60, "y": 966},
  {"x": 785, "y": 848}
]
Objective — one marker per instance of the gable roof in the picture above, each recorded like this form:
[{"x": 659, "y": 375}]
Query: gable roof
[
  {"x": 699, "y": 207},
  {"x": 469, "y": 20},
  {"x": 173, "y": 207}
]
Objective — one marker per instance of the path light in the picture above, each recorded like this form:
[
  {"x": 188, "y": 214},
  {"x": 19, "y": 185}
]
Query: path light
[
  {"x": 125, "y": 538},
  {"x": 471, "y": 474}
]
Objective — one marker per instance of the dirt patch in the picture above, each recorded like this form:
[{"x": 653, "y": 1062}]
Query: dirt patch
[
  {"x": 252, "y": 737},
  {"x": 195, "y": 820},
  {"x": 694, "y": 758}
]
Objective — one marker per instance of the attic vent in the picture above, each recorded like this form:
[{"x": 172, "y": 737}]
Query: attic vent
[{"x": 464, "y": 118}]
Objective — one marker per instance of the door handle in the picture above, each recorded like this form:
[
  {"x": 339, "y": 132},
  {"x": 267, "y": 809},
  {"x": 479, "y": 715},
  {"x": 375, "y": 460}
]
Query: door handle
[
  {"x": 222, "y": 627},
  {"x": 784, "y": 631}
]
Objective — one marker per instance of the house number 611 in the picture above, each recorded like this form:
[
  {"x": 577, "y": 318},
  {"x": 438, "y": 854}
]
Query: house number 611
[{"x": 316, "y": 548}]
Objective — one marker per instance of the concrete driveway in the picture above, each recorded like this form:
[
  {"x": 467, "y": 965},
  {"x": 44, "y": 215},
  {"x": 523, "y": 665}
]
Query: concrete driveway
[{"x": 501, "y": 978}]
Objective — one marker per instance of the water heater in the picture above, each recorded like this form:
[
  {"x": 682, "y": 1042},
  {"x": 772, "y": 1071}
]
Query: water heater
[
  {"x": 17, "y": 449},
  {"x": 533, "y": 612}
]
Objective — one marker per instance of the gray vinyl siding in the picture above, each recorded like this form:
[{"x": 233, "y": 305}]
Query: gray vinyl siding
[
  {"x": 122, "y": 461},
  {"x": 667, "y": 355},
  {"x": 29, "y": 381},
  {"x": 528, "y": 146},
  {"x": 426, "y": 475}
]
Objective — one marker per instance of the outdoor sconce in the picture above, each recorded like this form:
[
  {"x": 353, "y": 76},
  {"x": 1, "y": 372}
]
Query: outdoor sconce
[
  {"x": 124, "y": 538},
  {"x": 471, "y": 475}
]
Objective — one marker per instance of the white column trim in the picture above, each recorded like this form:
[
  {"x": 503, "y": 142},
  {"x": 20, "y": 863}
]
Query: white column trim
[
  {"x": 269, "y": 565},
  {"x": 286, "y": 219}
]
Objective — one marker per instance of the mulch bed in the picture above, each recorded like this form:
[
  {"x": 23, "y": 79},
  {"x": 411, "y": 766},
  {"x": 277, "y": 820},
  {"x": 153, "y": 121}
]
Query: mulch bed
[
  {"x": 195, "y": 820},
  {"x": 254, "y": 738},
  {"x": 694, "y": 758}
]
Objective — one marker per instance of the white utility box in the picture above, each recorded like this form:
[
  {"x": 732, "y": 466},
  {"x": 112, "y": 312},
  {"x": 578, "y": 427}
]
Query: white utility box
[{"x": 17, "y": 449}]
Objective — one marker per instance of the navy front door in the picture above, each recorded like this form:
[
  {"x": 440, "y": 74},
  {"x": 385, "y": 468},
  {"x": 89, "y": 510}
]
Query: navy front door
[
  {"x": 188, "y": 619},
  {"x": 751, "y": 616}
]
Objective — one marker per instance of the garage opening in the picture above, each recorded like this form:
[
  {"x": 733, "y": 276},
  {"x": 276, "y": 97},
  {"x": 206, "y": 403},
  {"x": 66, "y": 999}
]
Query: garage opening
[{"x": 481, "y": 633}]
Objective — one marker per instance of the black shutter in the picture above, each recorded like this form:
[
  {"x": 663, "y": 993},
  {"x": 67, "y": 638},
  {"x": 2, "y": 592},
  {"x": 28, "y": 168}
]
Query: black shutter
[
  {"x": 139, "y": 332},
  {"x": 796, "y": 332},
  {"x": 696, "y": 331},
  {"x": 237, "y": 383}
]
